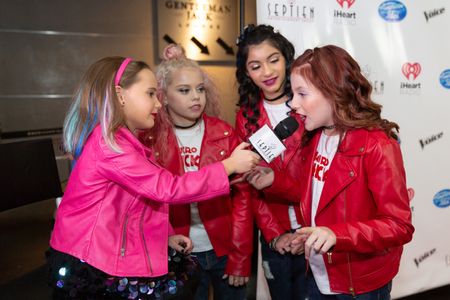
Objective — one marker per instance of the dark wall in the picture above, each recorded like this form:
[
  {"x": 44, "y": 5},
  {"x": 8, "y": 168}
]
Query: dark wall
[{"x": 46, "y": 45}]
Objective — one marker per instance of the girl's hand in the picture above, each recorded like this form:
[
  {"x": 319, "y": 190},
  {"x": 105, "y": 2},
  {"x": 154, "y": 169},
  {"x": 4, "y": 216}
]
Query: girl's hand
[
  {"x": 181, "y": 243},
  {"x": 319, "y": 239},
  {"x": 236, "y": 280},
  {"x": 241, "y": 160},
  {"x": 297, "y": 249},
  {"x": 283, "y": 244},
  {"x": 261, "y": 177}
]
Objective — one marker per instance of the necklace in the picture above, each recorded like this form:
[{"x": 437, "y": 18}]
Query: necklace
[
  {"x": 186, "y": 127},
  {"x": 330, "y": 127},
  {"x": 276, "y": 98}
]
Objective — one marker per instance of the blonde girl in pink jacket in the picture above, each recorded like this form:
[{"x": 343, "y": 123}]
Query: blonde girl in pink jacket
[{"x": 112, "y": 230}]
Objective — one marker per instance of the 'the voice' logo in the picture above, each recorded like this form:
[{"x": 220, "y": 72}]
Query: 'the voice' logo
[
  {"x": 411, "y": 71},
  {"x": 424, "y": 256},
  {"x": 426, "y": 141},
  {"x": 433, "y": 13},
  {"x": 349, "y": 3}
]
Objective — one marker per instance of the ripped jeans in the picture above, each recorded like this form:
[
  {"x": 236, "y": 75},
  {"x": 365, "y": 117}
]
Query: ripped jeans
[{"x": 285, "y": 274}]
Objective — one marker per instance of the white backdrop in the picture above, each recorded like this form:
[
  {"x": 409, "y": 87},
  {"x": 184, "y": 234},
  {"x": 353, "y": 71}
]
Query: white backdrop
[{"x": 403, "y": 48}]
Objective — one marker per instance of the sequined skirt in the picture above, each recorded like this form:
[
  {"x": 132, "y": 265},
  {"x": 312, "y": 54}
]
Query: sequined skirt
[{"x": 71, "y": 278}]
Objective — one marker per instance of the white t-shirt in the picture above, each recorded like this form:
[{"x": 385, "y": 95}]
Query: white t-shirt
[
  {"x": 326, "y": 149},
  {"x": 277, "y": 113},
  {"x": 190, "y": 143}
]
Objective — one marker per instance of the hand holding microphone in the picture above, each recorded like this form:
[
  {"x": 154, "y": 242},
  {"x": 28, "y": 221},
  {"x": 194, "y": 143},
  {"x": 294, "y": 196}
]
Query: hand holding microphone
[
  {"x": 241, "y": 160},
  {"x": 268, "y": 144}
]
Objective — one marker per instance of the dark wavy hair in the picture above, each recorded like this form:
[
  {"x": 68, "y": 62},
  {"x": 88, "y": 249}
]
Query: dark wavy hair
[
  {"x": 338, "y": 76},
  {"x": 249, "y": 93}
]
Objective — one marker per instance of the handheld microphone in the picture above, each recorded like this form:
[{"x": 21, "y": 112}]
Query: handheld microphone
[
  {"x": 268, "y": 143},
  {"x": 286, "y": 128}
]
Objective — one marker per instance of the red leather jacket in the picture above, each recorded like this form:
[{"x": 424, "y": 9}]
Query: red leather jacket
[
  {"x": 271, "y": 209},
  {"x": 365, "y": 203},
  {"x": 227, "y": 219}
]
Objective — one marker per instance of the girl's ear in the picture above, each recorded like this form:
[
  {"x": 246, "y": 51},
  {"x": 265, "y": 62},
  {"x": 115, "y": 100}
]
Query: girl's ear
[{"x": 119, "y": 95}]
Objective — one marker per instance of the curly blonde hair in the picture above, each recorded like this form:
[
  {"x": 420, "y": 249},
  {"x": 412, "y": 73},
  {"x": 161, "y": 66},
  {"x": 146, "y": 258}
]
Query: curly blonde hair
[{"x": 174, "y": 59}]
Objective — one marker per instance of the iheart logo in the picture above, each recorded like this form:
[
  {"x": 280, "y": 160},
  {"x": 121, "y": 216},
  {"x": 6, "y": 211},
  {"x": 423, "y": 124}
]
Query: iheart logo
[
  {"x": 349, "y": 3},
  {"x": 409, "y": 69}
]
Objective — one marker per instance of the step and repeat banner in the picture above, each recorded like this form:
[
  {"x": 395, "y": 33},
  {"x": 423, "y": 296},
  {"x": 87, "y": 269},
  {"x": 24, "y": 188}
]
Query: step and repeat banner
[{"x": 403, "y": 48}]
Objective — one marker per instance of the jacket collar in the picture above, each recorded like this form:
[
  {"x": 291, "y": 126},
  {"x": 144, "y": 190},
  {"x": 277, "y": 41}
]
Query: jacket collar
[
  {"x": 354, "y": 142},
  {"x": 125, "y": 134},
  {"x": 215, "y": 130},
  {"x": 219, "y": 131}
]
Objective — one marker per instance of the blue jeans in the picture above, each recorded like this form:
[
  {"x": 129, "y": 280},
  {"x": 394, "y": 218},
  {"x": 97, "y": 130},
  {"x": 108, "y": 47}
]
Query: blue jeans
[
  {"x": 383, "y": 293},
  {"x": 285, "y": 274},
  {"x": 212, "y": 269}
]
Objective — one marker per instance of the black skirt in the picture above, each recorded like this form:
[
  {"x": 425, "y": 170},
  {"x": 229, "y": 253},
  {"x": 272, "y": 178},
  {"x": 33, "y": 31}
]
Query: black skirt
[{"x": 72, "y": 278}]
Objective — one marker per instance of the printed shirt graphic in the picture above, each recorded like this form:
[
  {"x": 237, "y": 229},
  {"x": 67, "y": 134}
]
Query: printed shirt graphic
[
  {"x": 277, "y": 113},
  {"x": 326, "y": 149},
  {"x": 190, "y": 143}
]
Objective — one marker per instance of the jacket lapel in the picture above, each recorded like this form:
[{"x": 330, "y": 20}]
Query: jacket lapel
[
  {"x": 306, "y": 179},
  {"x": 343, "y": 170},
  {"x": 340, "y": 175}
]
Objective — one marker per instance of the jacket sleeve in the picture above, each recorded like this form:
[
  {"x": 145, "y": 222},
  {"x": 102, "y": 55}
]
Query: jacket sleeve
[
  {"x": 264, "y": 218},
  {"x": 141, "y": 176},
  {"x": 240, "y": 126},
  {"x": 391, "y": 225},
  {"x": 284, "y": 188},
  {"x": 240, "y": 255}
]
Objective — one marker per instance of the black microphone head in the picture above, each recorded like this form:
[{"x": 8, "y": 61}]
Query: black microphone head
[{"x": 286, "y": 128}]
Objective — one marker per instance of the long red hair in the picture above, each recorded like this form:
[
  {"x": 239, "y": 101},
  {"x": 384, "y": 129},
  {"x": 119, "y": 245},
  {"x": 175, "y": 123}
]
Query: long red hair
[{"x": 338, "y": 76}]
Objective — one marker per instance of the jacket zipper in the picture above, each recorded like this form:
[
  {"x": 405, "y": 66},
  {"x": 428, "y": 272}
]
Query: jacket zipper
[
  {"x": 351, "y": 289},
  {"x": 124, "y": 237},
  {"x": 141, "y": 224}
]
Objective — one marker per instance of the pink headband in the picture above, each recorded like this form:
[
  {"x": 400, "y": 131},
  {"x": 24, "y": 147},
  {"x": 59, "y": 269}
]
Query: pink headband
[{"x": 122, "y": 68}]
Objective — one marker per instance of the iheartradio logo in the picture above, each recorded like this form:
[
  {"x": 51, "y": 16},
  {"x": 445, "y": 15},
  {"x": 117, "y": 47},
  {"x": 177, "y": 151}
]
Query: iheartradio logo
[
  {"x": 349, "y": 3},
  {"x": 413, "y": 69}
]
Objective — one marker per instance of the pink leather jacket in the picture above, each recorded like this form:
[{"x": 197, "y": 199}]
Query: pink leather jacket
[{"x": 115, "y": 211}]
